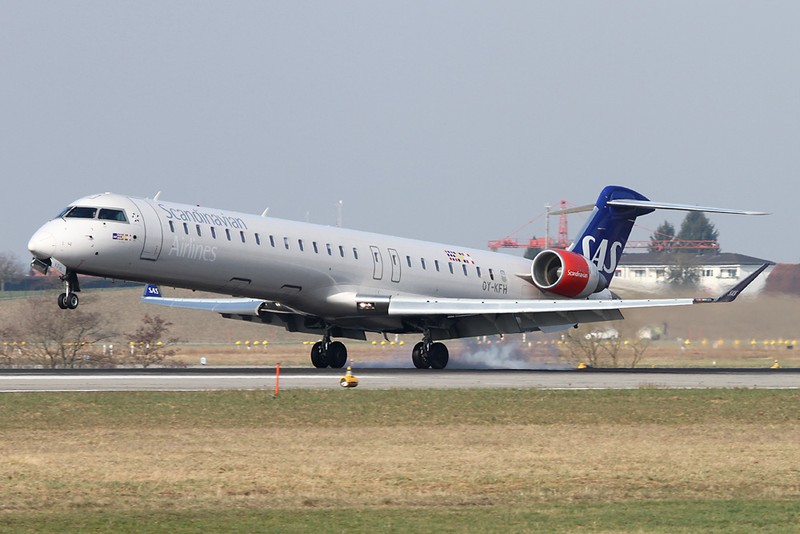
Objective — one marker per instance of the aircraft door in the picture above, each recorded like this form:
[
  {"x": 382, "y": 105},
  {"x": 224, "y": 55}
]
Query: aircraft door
[
  {"x": 153, "y": 234},
  {"x": 377, "y": 263},
  {"x": 395, "y": 257}
]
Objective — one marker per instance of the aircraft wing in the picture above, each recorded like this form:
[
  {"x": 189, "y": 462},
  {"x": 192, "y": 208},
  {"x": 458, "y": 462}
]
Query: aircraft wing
[
  {"x": 224, "y": 306},
  {"x": 423, "y": 306}
]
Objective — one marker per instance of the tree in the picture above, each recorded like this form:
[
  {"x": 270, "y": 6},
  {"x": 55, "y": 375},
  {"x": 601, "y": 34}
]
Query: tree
[
  {"x": 10, "y": 269},
  {"x": 10, "y": 349},
  {"x": 61, "y": 338},
  {"x": 608, "y": 347},
  {"x": 697, "y": 227},
  {"x": 150, "y": 342},
  {"x": 663, "y": 238},
  {"x": 683, "y": 272}
]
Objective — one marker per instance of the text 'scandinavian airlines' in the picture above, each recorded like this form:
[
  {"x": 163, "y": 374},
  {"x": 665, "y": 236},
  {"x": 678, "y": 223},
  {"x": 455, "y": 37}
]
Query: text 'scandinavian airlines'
[{"x": 342, "y": 283}]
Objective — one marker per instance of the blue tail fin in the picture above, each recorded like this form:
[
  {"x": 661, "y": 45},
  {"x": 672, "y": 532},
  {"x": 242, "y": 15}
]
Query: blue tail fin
[
  {"x": 603, "y": 237},
  {"x": 151, "y": 290}
]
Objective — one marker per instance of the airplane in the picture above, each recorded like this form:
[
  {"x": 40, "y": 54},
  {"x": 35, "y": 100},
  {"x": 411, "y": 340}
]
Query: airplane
[{"x": 343, "y": 283}]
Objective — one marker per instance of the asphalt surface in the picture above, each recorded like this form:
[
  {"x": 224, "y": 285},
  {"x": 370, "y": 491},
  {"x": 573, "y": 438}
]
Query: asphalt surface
[{"x": 199, "y": 379}]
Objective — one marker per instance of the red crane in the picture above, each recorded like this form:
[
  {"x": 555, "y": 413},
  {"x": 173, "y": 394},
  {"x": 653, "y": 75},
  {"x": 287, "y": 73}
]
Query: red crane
[{"x": 563, "y": 241}]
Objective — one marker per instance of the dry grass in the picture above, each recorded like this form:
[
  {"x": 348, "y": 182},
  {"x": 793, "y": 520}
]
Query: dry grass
[{"x": 92, "y": 456}]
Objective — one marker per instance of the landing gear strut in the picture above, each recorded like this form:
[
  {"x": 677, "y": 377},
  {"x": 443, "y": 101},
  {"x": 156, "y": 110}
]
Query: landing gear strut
[
  {"x": 69, "y": 299},
  {"x": 327, "y": 353},
  {"x": 428, "y": 354}
]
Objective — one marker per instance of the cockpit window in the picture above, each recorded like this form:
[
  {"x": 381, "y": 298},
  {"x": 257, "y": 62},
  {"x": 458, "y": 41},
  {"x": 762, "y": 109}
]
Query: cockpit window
[
  {"x": 107, "y": 214},
  {"x": 79, "y": 212}
]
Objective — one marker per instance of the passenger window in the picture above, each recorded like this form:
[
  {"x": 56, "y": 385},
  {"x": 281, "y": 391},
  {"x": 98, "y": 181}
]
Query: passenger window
[
  {"x": 408, "y": 260},
  {"x": 330, "y": 250},
  {"x": 228, "y": 234},
  {"x": 341, "y": 251},
  {"x": 213, "y": 232},
  {"x": 258, "y": 239},
  {"x": 450, "y": 265},
  {"x": 463, "y": 266},
  {"x": 272, "y": 241},
  {"x": 422, "y": 262},
  {"x": 491, "y": 274},
  {"x": 82, "y": 213},
  {"x": 241, "y": 234},
  {"x": 286, "y": 243},
  {"x": 316, "y": 248},
  {"x": 436, "y": 264},
  {"x": 185, "y": 228},
  {"x": 478, "y": 269},
  {"x": 199, "y": 234},
  {"x": 107, "y": 214},
  {"x": 171, "y": 227},
  {"x": 355, "y": 253},
  {"x": 300, "y": 244}
]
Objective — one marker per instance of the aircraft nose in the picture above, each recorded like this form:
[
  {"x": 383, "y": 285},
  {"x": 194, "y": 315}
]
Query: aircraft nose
[{"x": 42, "y": 244}]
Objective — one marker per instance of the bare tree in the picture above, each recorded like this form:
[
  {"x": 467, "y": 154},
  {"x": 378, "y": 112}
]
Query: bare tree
[
  {"x": 586, "y": 347},
  {"x": 10, "y": 269},
  {"x": 11, "y": 347},
  {"x": 598, "y": 350},
  {"x": 60, "y": 338},
  {"x": 151, "y": 343}
]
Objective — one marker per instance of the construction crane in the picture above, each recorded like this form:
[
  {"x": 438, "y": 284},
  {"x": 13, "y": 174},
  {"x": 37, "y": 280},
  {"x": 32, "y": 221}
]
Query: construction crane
[{"x": 563, "y": 241}]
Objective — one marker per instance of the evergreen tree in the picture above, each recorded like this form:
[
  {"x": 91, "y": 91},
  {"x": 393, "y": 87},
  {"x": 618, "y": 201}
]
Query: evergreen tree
[
  {"x": 663, "y": 238},
  {"x": 697, "y": 227}
]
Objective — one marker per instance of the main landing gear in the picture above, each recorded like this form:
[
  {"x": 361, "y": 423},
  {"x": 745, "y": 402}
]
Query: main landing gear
[
  {"x": 327, "y": 353},
  {"x": 426, "y": 354},
  {"x": 69, "y": 299}
]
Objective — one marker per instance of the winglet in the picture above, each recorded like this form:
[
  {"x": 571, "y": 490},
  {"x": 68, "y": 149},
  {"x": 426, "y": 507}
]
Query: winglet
[
  {"x": 732, "y": 293},
  {"x": 151, "y": 290}
]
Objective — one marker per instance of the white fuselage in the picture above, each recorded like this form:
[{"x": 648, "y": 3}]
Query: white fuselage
[{"x": 313, "y": 268}]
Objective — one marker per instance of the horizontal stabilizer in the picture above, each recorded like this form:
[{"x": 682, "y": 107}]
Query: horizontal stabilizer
[{"x": 649, "y": 204}]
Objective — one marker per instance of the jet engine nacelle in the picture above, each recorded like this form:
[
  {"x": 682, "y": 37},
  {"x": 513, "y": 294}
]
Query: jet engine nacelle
[{"x": 566, "y": 273}]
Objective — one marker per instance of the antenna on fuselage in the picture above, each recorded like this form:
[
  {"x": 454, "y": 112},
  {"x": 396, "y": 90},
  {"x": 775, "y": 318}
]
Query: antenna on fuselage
[
  {"x": 339, "y": 214},
  {"x": 157, "y": 195},
  {"x": 264, "y": 213}
]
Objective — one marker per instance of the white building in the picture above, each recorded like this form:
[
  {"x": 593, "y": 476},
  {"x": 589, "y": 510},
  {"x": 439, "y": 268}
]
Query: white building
[{"x": 717, "y": 272}]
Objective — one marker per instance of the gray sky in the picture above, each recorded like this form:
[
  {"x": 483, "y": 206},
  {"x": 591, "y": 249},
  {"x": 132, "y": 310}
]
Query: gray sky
[{"x": 449, "y": 121}]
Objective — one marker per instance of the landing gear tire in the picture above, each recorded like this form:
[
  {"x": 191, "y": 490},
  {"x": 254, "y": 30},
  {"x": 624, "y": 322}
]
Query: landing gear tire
[
  {"x": 419, "y": 357},
  {"x": 72, "y": 301},
  {"x": 318, "y": 356},
  {"x": 438, "y": 355},
  {"x": 337, "y": 354},
  {"x": 62, "y": 301}
]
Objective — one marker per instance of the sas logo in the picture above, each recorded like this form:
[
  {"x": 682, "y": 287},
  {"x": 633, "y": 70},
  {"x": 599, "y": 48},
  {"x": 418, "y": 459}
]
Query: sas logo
[
  {"x": 605, "y": 257},
  {"x": 121, "y": 237}
]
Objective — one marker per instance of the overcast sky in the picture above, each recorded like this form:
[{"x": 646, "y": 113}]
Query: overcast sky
[{"x": 448, "y": 121}]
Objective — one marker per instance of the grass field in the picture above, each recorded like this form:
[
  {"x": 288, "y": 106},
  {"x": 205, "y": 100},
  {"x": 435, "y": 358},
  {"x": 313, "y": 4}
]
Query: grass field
[{"x": 401, "y": 461}]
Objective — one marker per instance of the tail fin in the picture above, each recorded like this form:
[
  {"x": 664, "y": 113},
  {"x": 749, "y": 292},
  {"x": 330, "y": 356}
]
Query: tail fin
[
  {"x": 152, "y": 290},
  {"x": 604, "y": 235},
  {"x": 603, "y": 238}
]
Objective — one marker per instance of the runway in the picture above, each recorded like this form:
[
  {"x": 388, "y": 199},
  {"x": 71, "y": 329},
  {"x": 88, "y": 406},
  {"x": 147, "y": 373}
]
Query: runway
[{"x": 202, "y": 379}]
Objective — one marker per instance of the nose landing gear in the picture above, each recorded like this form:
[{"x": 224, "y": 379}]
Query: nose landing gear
[{"x": 69, "y": 300}]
